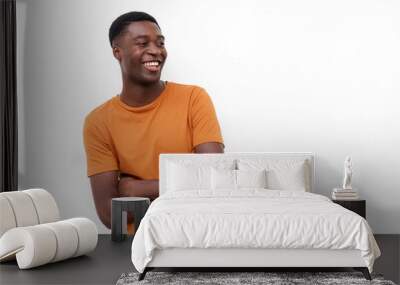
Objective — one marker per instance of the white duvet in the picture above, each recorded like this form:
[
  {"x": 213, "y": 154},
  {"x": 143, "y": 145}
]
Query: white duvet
[{"x": 251, "y": 218}]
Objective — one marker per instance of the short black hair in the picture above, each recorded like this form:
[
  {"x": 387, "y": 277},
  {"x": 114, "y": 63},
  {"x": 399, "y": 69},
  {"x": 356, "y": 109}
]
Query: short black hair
[{"x": 124, "y": 20}]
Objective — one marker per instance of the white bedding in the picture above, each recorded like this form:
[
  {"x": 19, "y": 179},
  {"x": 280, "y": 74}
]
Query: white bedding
[{"x": 250, "y": 218}]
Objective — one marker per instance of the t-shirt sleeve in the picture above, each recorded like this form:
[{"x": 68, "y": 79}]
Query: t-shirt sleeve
[
  {"x": 204, "y": 122},
  {"x": 99, "y": 153}
]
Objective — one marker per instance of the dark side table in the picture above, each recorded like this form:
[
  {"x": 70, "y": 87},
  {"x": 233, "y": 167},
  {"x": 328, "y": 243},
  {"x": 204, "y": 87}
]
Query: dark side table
[
  {"x": 137, "y": 206},
  {"x": 357, "y": 206}
]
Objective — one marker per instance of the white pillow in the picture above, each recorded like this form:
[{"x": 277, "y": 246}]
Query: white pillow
[
  {"x": 187, "y": 177},
  {"x": 288, "y": 179},
  {"x": 223, "y": 179},
  {"x": 194, "y": 174},
  {"x": 251, "y": 178},
  {"x": 235, "y": 179},
  {"x": 282, "y": 174}
]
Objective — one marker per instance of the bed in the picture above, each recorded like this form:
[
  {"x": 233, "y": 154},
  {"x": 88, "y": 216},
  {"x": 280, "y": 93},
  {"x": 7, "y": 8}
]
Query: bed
[{"x": 246, "y": 210}]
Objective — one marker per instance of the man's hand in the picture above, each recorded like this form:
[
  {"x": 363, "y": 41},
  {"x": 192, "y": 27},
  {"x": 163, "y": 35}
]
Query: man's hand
[{"x": 131, "y": 186}]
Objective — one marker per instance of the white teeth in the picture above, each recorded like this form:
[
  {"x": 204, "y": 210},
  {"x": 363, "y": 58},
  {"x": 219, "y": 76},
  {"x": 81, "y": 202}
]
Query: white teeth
[{"x": 152, "y": 63}]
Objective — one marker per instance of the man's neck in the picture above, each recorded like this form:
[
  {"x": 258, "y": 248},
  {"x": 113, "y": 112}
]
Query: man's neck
[{"x": 137, "y": 95}]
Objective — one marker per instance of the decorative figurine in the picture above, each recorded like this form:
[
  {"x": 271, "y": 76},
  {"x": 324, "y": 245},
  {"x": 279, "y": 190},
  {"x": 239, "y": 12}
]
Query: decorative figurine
[{"x": 348, "y": 172}]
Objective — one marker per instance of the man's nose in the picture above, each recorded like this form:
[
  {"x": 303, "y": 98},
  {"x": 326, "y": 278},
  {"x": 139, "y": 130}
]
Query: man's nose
[{"x": 154, "y": 49}]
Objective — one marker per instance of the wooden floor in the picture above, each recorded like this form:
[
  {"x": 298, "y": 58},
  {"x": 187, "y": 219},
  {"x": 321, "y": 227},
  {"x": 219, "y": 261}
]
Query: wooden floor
[{"x": 110, "y": 260}]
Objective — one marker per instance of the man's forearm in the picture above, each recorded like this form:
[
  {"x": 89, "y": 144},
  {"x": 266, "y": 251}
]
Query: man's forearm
[
  {"x": 131, "y": 187},
  {"x": 104, "y": 188}
]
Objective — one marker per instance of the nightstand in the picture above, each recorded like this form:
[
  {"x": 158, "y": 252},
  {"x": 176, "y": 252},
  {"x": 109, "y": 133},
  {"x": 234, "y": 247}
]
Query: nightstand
[
  {"x": 357, "y": 206},
  {"x": 136, "y": 205}
]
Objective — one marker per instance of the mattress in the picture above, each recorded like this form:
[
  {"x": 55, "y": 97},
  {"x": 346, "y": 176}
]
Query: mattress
[{"x": 250, "y": 219}]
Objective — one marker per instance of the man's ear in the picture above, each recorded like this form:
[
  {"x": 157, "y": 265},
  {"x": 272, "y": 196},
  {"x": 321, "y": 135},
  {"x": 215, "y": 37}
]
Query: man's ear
[{"x": 117, "y": 52}]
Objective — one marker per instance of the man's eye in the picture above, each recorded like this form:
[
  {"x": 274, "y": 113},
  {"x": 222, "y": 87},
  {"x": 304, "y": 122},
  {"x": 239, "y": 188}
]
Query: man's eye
[{"x": 142, "y": 44}]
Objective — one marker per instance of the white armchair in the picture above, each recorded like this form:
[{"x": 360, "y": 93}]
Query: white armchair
[{"x": 31, "y": 230}]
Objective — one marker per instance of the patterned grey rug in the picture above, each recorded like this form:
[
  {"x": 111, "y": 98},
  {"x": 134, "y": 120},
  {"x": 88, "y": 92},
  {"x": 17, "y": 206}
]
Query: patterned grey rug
[{"x": 269, "y": 278}]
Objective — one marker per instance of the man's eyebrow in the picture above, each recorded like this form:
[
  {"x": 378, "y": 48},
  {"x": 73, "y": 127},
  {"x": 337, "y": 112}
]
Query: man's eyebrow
[{"x": 146, "y": 37}]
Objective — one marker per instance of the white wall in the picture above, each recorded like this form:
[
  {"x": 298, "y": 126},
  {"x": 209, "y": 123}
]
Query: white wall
[{"x": 320, "y": 76}]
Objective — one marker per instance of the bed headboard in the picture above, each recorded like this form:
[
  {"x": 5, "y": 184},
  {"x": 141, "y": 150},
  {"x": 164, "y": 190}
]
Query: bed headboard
[{"x": 182, "y": 157}]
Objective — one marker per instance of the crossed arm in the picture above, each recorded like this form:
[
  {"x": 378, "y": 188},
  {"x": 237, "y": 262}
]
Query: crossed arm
[{"x": 107, "y": 185}]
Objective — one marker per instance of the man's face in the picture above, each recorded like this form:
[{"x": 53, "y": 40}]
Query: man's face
[{"x": 141, "y": 52}]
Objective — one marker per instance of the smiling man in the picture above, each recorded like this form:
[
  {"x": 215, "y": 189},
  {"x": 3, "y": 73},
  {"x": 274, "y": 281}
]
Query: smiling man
[{"x": 124, "y": 136}]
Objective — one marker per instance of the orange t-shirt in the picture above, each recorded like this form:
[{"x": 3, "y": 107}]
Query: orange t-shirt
[{"x": 130, "y": 139}]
